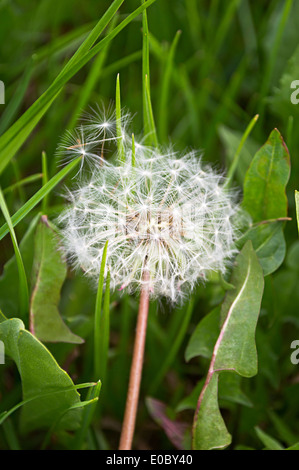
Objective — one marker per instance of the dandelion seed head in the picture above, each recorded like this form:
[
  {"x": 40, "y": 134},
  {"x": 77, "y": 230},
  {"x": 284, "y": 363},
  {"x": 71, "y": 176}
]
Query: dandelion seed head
[{"x": 169, "y": 215}]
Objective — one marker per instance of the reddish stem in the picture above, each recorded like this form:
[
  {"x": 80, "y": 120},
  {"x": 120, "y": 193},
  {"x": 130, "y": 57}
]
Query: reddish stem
[{"x": 128, "y": 427}]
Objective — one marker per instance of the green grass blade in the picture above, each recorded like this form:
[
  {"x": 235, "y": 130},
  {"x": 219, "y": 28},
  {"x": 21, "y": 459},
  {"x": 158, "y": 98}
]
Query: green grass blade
[
  {"x": 45, "y": 180},
  {"x": 38, "y": 196},
  {"x": 105, "y": 331},
  {"x": 98, "y": 334},
  {"x": 91, "y": 81},
  {"x": 13, "y": 139},
  {"x": 23, "y": 285},
  {"x": 113, "y": 68},
  {"x": 151, "y": 137},
  {"x": 5, "y": 414},
  {"x": 17, "y": 98},
  {"x": 23, "y": 182},
  {"x": 133, "y": 152},
  {"x": 95, "y": 33},
  {"x": 145, "y": 69},
  {"x": 88, "y": 413},
  {"x": 163, "y": 106},
  {"x": 120, "y": 144},
  {"x": 235, "y": 161},
  {"x": 81, "y": 404},
  {"x": 148, "y": 118},
  {"x": 81, "y": 52},
  {"x": 11, "y": 436}
]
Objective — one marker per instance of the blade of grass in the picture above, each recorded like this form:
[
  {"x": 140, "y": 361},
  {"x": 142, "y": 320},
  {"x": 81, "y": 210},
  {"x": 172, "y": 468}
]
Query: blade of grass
[
  {"x": 81, "y": 404},
  {"x": 11, "y": 436},
  {"x": 12, "y": 140},
  {"x": 81, "y": 52},
  {"x": 163, "y": 106},
  {"x": 95, "y": 33},
  {"x": 18, "y": 177},
  {"x": 91, "y": 81},
  {"x": 45, "y": 181},
  {"x": 23, "y": 182},
  {"x": 151, "y": 137},
  {"x": 148, "y": 117},
  {"x": 235, "y": 161},
  {"x": 38, "y": 196},
  {"x": 195, "y": 22},
  {"x": 99, "y": 336},
  {"x": 120, "y": 144},
  {"x": 23, "y": 285},
  {"x": 105, "y": 331},
  {"x": 121, "y": 63},
  {"x": 88, "y": 413},
  {"x": 17, "y": 98},
  {"x": 133, "y": 152},
  {"x": 5, "y": 414}
]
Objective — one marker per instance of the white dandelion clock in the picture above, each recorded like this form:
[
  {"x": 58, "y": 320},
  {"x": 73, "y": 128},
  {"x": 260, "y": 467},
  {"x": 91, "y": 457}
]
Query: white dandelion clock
[
  {"x": 168, "y": 221},
  {"x": 165, "y": 216}
]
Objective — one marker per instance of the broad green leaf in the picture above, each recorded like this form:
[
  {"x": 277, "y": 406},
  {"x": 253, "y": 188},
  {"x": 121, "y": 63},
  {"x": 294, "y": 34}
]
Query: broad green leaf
[
  {"x": 209, "y": 430},
  {"x": 204, "y": 336},
  {"x": 230, "y": 389},
  {"x": 9, "y": 303},
  {"x": 236, "y": 348},
  {"x": 39, "y": 373},
  {"x": 269, "y": 244},
  {"x": 266, "y": 179},
  {"x": 190, "y": 402},
  {"x": 49, "y": 273},
  {"x": 6, "y": 414}
]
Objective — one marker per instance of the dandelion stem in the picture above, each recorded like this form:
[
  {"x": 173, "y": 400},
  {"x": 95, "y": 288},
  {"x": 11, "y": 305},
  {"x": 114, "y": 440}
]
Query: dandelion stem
[{"x": 136, "y": 370}]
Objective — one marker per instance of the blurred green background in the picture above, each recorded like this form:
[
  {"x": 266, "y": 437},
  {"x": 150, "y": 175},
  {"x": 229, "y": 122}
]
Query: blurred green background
[{"x": 230, "y": 61}]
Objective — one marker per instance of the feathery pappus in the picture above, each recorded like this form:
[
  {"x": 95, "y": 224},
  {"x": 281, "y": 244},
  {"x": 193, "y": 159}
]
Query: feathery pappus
[{"x": 164, "y": 214}]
